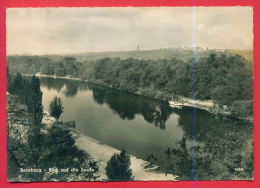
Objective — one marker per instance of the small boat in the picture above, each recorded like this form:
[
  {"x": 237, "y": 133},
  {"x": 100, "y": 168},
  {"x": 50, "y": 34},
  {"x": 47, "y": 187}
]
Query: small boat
[{"x": 175, "y": 104}]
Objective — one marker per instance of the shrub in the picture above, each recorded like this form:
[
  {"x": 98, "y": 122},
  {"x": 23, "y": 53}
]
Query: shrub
[
  {"x": 118, "y": 167},
  {"x": 56, "y": 108}
]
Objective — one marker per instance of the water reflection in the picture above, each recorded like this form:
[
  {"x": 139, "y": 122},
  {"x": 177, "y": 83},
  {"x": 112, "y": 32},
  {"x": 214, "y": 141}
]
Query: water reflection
[
  {"x": 121, "y": 119},
  {"x": 58, "y": 84},
  {"x": 71, "y": 89},
  {"x": 124, "y": 104},
  {"x": 128, "y": 105},
  {"x": 223, "y": 145},
  {"x": 210, "y": 125}
]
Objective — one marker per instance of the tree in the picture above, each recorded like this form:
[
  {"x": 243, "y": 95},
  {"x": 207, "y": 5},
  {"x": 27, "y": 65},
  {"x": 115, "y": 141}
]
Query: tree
[
  {"x": 118, "y": 167},
  {"x": 34, "y": 101},
  {"x": 61, "y": 152},
  {"x": 59, "y": 69},
  {"x": 9, "y": 79},
  {"x": 28, "y": 147},
  {"x": 17, "y": 85},
  {"x": 47, "y": 68},
  {"x": 56, "y": 108}
]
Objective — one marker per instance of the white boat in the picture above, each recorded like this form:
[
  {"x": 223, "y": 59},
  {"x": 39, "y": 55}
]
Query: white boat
[{"x": 175, "y": 104}]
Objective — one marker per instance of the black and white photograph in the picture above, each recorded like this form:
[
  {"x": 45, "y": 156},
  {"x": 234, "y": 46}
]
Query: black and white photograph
[{"x": 129, "y": 94}]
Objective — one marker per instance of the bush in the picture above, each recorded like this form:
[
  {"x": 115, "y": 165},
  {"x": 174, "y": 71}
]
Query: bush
[
  {"x": 118, "y": 167},
  {"x": 56, "y": 108}
]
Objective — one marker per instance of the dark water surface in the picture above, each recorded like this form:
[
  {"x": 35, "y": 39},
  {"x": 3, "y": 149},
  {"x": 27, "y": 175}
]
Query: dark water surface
[{"x": 144, "y": 126}]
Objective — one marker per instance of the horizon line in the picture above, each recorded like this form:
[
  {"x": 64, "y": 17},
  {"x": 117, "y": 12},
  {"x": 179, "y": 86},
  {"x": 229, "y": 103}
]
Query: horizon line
[{"x": 140, "y": 50}]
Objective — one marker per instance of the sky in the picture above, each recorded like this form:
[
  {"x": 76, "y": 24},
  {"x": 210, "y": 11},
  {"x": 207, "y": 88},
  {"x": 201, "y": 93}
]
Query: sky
[{"x": 39, "y": 31}]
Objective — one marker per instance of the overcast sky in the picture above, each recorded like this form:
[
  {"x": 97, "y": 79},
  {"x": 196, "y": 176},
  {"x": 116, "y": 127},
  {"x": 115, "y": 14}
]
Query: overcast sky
[{"x": 75, "y": 30}]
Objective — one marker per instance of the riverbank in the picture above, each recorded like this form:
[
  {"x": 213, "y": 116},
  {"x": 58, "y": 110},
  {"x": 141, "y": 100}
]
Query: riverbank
[
  {"x": 177, "y": 102},
  {"x": 207, "y": 105},
  {"x": 102, "y": 153}
]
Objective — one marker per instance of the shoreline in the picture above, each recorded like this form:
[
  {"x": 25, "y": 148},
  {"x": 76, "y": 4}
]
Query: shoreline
[
  {"x": 102, "y": 153},
  {"x": 207, "y": 105}
]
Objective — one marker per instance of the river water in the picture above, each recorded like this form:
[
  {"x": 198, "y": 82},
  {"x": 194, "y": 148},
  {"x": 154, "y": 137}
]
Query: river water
[{"x": 145, "y": 127}]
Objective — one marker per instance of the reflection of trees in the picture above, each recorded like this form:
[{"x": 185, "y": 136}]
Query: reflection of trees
[
  {"x": 51, "y": 83},
  {"x": 209, "y": 125},
  {"x": 223, "y": 144},
  {"x": 71, "y": 89},
  {"x": 178, "y": 161},
  {"x": 203, "y": 122},
  {"x": 98, "y": 95},
  {"x": 71, "y": 86},
  {"x": 128, "y": 105},
  {"x": 124, "y": 104}
]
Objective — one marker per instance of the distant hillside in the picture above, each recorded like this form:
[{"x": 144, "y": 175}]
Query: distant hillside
[
  {"x": 154, "y": 54},
  {"x": 165, "y": 53}
]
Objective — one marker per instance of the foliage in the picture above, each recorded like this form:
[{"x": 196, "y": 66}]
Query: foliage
[
  {"x": 29, "y": 93},
  {"x": 242, "y": 108},
  {"x": 220, "y": 76},
  {"x": 118, "y": 167},
  {"x": 178, "y": 161},
  {"x": 55, "y": 149},
  {"x": 222, "y": 145},
  {"x": 33, "y": 145},
  {"x": 18, "y": 85},
  {"x": 9, "y": 79},
  {"x": 47, "y": 69},
  {"x": 60, "y": 152},
  {"x": 56, "y": 107},
  {"x": 34, "y": 103}
]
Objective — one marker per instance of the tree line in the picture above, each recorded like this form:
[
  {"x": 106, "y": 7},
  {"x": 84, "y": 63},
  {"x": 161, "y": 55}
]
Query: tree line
[{"x": 227, "y": 79}]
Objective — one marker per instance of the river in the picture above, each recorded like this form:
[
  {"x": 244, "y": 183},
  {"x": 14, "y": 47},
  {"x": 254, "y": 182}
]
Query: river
[{"x": 147, "y": 127}]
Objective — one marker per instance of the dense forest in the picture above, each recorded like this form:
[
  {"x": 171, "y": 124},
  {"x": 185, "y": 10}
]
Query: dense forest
[{"x": 225, "y": 78}]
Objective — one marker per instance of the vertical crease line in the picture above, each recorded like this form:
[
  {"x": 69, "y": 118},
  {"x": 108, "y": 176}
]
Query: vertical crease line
[{"x": 193, "y": 94}]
